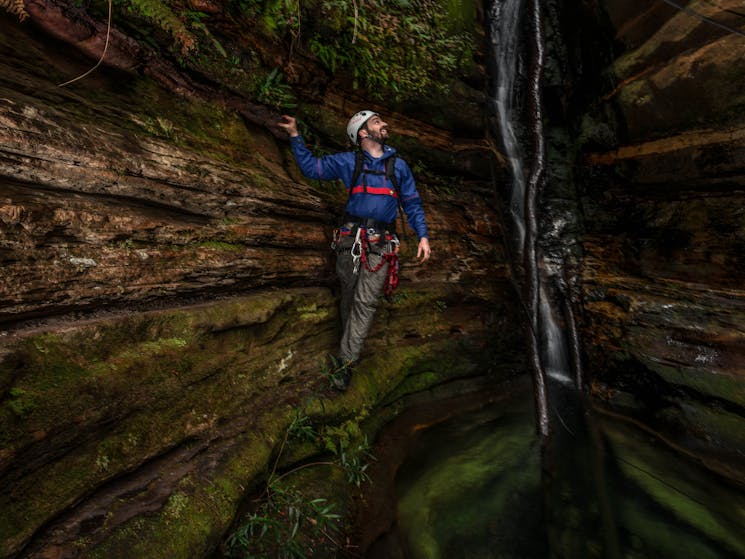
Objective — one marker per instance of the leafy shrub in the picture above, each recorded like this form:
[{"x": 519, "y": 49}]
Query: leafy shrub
[
  {"x": 285, "y": 523},
  {"x": 401, "y": 50}
]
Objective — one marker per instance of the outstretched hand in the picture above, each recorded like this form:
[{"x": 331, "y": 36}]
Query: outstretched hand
[
  {"x": 289, "y": 123},
  {"x": 423, "y": 252}
]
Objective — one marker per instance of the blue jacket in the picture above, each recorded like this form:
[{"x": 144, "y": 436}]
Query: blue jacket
[{"x": 376, "y": 199}]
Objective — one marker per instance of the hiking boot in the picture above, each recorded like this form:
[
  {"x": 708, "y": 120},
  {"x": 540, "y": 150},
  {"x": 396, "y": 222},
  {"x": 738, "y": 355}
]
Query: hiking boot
[{"x": 341, "y": 379}]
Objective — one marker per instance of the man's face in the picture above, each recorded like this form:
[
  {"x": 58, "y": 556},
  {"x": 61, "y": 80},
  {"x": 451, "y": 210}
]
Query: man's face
[{"x": 377, "y": 128}]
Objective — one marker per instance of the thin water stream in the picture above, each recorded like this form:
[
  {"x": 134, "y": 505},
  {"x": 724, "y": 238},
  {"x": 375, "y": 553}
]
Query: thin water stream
[{"x": 505, "y": 43}]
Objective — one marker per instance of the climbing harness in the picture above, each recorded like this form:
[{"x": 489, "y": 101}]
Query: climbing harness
[
  {"x": 367, "y": 232},
  {"x": 366, "y": 238},
  {"x": 390, "y": 257}
]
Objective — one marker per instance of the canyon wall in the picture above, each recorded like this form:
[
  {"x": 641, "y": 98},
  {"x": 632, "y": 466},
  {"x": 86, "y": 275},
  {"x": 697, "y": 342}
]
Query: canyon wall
[
  {"x": 661, "y": 182},
  {"x": 167, "y": 298}
]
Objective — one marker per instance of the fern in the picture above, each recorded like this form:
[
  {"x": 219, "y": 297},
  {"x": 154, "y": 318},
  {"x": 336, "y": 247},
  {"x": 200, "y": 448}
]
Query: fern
[
  {"x": 161, "y": 15},
  {"x": 15, "y": 7},
  {"x": 203, "y": 28}
]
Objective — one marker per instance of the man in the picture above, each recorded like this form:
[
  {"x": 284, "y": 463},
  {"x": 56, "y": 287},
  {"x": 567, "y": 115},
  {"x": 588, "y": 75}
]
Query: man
[{"x": 366, "y": 240}]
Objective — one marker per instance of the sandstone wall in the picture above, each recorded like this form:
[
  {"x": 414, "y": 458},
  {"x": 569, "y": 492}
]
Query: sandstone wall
[
  {"x": 664, "y": 248},
  {"x": 167, "y": 296}
]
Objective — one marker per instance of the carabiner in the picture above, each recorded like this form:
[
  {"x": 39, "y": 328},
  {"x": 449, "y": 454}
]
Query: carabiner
[{"x": 357, "y": 251}]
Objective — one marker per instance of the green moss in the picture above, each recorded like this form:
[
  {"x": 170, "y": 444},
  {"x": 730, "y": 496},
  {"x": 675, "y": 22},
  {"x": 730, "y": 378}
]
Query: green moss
[
  {"x": 176, "y": 506},
  {"x": 443, "y": 501},
  {"x": 709, "y": 508},
  {"x": 210, "y": 129},
  {"x": 193, "y": 519},
  {"x": 312, "y": 312},
  {"x": 652, "y": 537},
  {"x": 723, "y": 429},
  {"x": 155, "y": 379},
  {"x": 158, "y": 380},
  {"x": 21, "y": 402},
  {"x": 720, "y": 385}
]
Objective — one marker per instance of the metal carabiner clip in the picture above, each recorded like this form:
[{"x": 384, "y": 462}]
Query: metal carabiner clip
[{"x": 357, "y": 251}]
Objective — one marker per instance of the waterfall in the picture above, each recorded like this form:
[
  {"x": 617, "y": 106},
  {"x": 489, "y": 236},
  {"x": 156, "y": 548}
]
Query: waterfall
[
  {"x": 554, "y": 354},
  {"x": 505, "y": 39},
  {"x": 520, "y": 130}
]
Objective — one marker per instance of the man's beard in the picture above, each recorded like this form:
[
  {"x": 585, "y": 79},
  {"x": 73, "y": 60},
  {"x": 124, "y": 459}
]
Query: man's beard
[{"x": 379, "y": 136}]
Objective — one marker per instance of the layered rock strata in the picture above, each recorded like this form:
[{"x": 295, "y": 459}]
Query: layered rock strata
[
  {"x": 166, "y": 296},
  {"x": 664, "y": 246}
]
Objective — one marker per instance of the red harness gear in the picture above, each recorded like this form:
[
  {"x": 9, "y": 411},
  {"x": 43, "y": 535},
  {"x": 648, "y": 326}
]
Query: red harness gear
[
  {"x": 374, "y": 190},
  {"x": 391, "y": 278}
]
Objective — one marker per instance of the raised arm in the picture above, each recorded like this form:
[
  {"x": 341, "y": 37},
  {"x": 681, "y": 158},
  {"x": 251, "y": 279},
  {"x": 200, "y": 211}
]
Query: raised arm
[{"x": 328, "y": 167}]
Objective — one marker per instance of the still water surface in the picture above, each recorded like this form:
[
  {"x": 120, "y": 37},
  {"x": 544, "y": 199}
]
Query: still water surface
[{"x": 479, "y": 486}]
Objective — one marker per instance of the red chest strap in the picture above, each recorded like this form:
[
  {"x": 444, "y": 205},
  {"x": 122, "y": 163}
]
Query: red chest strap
[{"x": 374, "y": 190}]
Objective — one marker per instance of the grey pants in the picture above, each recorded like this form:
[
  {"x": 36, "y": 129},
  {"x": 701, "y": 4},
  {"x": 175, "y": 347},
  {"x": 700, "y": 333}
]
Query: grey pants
[{"x": 360, "y": 294}]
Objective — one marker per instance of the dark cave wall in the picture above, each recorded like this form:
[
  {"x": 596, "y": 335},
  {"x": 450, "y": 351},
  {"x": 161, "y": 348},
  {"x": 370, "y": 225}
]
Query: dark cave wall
[{"x": 661, "y": 181}]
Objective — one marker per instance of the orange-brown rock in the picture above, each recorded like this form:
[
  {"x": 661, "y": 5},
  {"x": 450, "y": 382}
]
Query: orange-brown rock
[
  {"x": 664, "y": 246},
  {"x": 166, "y": 290}
]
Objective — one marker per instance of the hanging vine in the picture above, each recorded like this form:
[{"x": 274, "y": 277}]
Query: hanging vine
[{"x": 103, "y": 54}]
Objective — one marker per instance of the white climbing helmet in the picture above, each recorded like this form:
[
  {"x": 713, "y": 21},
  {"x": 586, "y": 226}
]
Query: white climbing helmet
[{"x": 356, "y": 122}]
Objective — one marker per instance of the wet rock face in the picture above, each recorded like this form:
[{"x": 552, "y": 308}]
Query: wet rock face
[
  {"x": 164, "y": 293},
  {"x": 117, "y": 194},
  {"x": 122, "y": 190},
  {"x": 662, "y": 193}
]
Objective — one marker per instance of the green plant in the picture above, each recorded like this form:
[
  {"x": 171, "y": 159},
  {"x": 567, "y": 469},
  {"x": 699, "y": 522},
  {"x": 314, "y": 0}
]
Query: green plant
[
  {"x": 355, "y": 463},
  {"x": 248, "y": 7},
  {"x": 301, "y": 428},
  {"x": 350, "y": 446},
  {"x": 330, "y": 55},
  {"x": 331, "y": 370},
  {"x": 163, "y": 17},
  {"x": 405, "y": 51},
  {"x": 280, "y": 16},
  {"x": 285, "y": 526},
  {"x": 275, "y": 93},
  {"x": 286, "y": 523},
  {"x": 197, "y": 23}
]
